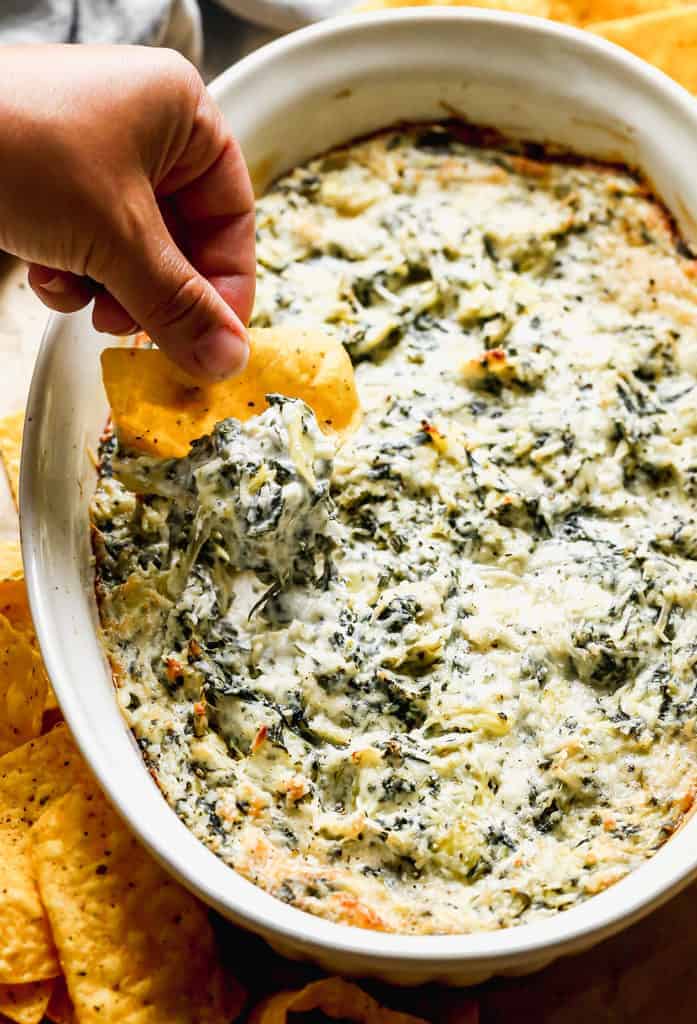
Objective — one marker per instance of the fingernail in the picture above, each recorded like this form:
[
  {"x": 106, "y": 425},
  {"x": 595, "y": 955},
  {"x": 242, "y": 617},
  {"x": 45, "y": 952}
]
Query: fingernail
[{"x": 221, "y": 353}]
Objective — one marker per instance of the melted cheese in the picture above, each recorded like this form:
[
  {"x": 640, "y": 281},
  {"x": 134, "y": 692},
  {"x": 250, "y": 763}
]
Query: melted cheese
[{"x": 484, "y": 710}]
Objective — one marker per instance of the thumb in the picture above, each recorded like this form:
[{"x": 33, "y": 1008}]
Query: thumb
[{"x": 178, "y": 307}]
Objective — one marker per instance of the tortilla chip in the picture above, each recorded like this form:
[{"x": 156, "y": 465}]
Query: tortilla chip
[
  {"x": 52, "y": 713},
  {"x": 11, "y": 428},
  {"x": 157, "y": 408},
  {"x": 26, "y": 948},
  {"x": 51, "y": 703},
  {"x": 537, "y": 7},
  {"x": 135, "y": 946},
  {"x": 582, "y": 12},
  {"x": 11, "y": 566},
  {"x": 31, "y": 777},
  {"x": 25, "y": 1004},
  {"x": 336, "y": 998},
  {"x": 23, "y": 689},
  {"x": 60, "y": 1008},
  {"x": 14, "y": 604},
  {"x": 666, "y": 39},
  {"x": 574, "y": 12}
]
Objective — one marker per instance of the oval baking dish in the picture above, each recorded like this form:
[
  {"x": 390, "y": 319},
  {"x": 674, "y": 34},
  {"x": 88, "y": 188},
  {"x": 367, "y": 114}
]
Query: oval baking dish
[{"x": 295, "y": 98}]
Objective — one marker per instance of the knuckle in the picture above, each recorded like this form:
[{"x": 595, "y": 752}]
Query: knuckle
[
  {"x": 186, "y": 303},
  {"x": 180, "y": 73},
  {"x": 117, "y": 223},
  {"x": 94, "y": 260},
  {"x": 174, "y": 60}
]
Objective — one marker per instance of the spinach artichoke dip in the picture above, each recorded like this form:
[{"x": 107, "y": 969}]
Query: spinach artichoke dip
[{"x": 440, "y": 677}]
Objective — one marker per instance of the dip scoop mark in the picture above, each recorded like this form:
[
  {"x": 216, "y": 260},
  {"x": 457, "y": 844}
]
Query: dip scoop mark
[{"x": 251, "y": 496}]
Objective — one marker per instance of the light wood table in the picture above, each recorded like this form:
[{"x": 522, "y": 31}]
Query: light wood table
[
  {"x": 22, "y": 321},
  {"x": 647, "y": 975}
]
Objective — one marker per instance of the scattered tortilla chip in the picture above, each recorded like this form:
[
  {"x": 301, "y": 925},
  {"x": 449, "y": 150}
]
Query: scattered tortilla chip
[
  {"x": 11, "y": 567},
  {"x": 582, "y": 12},
  {"x": 537, "y": 7},
  {"x": 336, "y": 998},
  {"x": 11, "y": 428},
  {"x": 51, "y": 703},
  {"x": 157, "y": 408},
  {"x": 667, "y": 39},
  {"x": 23, "y": 689},
  {"x": 25, "y": 1004},
  {"x": 26, "y": 948},
  {"x": 52, "y": 715},
  {"x": 31, "y": 777},
  {"x": 574, "y": 12},
  {"x": 60, "y": 1008},
  {"x": 135, "y": 946},
  {"x": 14, "y": 604}
]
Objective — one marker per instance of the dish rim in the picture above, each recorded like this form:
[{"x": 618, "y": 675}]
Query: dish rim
[{"x": 601, "y": 915}]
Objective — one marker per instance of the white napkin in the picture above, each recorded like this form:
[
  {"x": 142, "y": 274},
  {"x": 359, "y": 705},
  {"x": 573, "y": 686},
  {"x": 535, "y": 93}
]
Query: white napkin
[
  {"x": 175, "y": 23},
  {"x": 285, "y": 15}
]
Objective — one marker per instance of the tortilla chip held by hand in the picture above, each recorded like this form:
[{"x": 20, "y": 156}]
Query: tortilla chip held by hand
[{"x": 160, "y": 410}]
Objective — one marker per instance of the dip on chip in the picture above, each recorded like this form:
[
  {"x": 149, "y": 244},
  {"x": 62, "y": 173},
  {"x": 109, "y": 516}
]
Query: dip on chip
[
  {"x": 157, "y": 408},
  {"x": 257, "y": 491}
]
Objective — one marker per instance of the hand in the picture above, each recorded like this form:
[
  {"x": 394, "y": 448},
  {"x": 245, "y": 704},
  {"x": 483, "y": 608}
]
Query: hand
[{"x": 120, "y": 183}]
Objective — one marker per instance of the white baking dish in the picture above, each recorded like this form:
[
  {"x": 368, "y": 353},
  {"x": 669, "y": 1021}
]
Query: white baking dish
[{"x": 294, "y": 98}]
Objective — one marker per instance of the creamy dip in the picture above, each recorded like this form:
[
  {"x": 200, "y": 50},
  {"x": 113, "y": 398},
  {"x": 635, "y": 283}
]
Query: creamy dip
[{"x": 459, "y": 691}]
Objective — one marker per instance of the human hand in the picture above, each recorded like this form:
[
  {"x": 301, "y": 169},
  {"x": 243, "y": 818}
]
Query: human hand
[{"x": 120, "y": 183}]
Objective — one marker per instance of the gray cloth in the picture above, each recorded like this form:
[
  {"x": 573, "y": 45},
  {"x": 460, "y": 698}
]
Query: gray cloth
[{"x": 175, "y": 23}]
